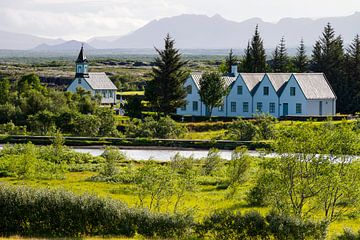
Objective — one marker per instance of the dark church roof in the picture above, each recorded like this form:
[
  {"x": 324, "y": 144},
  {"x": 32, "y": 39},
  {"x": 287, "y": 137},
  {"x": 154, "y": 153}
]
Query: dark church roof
[{"x": 81, "y": 58}]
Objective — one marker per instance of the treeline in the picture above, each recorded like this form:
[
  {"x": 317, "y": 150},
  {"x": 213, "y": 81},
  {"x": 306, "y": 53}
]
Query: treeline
[
  {"x": 340, "y": 64},
  {"x": 43, "y": 110}
]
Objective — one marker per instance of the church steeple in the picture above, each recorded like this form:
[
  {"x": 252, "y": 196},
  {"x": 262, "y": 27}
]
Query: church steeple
[{"x": 81, "y": 64}]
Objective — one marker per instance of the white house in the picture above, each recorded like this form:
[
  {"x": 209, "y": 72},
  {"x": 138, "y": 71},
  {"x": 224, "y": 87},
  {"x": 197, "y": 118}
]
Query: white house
[
  {"x": 266, "y": 98},
  {"x": 277, "y": 94},
  {"x": 96, "y": 83},
  {"x": 308, "y": 94}
]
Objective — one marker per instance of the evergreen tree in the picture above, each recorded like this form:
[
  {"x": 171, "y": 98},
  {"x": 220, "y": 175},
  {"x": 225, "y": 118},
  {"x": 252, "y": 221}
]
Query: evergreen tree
[
  {"x": 255, "y": 58},
  {"x": 280, "y": 62},
  {"x": 230, "y": 61},
  {"x": 300, "y": 60},
  {"x": 166, "y": 91},
  {"x": 328, "y": 57},
  {"x": 247, "y": 60},
  {"x": 212, "y": 90},
  {"x": 352, "y": 72},
  {"x": 4, "y": 90}
]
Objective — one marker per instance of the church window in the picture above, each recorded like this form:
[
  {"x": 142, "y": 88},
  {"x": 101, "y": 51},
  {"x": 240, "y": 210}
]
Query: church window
[{"x": 79, "y": 81}]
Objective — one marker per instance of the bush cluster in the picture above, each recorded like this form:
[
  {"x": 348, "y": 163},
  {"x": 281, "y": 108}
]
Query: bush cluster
[
  {"x": 165, "y": 128},
  {"x": 251, "y": 225},
  {"x": 207, "y": 126},
  {"x": 32, "y": 212}
]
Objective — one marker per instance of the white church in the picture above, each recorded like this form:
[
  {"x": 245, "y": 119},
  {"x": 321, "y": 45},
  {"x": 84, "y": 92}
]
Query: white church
[
  {"x": 96, "y": 83},
  {"x": 277, "y": 94}
]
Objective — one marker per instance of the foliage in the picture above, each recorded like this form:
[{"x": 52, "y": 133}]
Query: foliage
[
  {"x": 164, "y": 128},
  {"x": 242, "y": 130},
  {"x": 133, "y": 107},
  {"x": 30, "y": 212},
  {"x": 212, "y": 162},
  {"x": 255, "y": 58},
  {"x": 251, "y": 225},
  {"x": 112, "y": 156},
  {"x": 212, "y": 90},
  {"x": 238, "y": 169},
  {"x": 301, "y": 60},
  {"x": 265, "y": 126},
  {"x": 166, "y": 90},
  {"x": 280, "y": 62}
]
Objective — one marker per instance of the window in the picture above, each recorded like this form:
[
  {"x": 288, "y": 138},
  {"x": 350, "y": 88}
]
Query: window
[
  {"x": 245, "y": 106},
  {"x": 298, "y": 108},
  {"x": 259, "y": 106},
  {"x": 104, "y": 94},
  {"x": 195, "y": 106},
  {"x": 111, "y": 94},
  {"x": 272, "y": 107},
  {"x": 79, "y": 68},
  {"x": 233, "y": 107},
  {"x": 221, "y": 108},
  {"x": 266, "y": 91},
  {"x": 292, "y": 91},
  {"x": 189, "y": 89},
  {"x": 79, "y": 80},
  {"x": 183, "y": 108},
  {"x": 239, "y": 90}
]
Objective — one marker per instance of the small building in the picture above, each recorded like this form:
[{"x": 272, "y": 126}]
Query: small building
[
  {"x": 96, "y": 83},
  {"x": 277, "y": 94}
]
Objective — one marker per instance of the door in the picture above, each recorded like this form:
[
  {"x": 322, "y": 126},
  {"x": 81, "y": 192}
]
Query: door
[
  {"x": 320, "y": 108},
  {"x": 285, "y": 109}
]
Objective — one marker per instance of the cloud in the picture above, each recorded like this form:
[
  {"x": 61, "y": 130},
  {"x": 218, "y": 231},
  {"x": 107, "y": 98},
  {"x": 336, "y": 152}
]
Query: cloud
[{"x": 82, "y": 19}]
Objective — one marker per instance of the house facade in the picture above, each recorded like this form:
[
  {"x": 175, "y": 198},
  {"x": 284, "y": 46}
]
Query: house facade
[
  {"x": 277, "y": 94},
  {"x": 96, "y": 83}
]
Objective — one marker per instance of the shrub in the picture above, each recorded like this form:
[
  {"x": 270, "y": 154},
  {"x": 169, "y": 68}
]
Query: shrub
[
  {"x": 265, "y": 126},
  {"x": 29, "y": 212},
  {"x": 212, "y": 162},
  {"x": 242, "y": 130},
  {"x": 112, "y": 157},
  {"x": 284, "y": 227},
  {"x": 348, "y": 234},
  {"x": 165, "y": 127}
]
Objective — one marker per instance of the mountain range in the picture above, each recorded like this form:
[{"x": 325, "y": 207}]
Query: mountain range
[{"x": 198, "y": 32}]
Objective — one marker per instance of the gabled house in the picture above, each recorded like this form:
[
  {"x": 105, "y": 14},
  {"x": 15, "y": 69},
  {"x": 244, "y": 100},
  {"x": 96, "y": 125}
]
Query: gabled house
[
  {"x": 240, "y": 100},
  {"x": 194, "y": 106},
  {"x": 267, "y": 95},
  {"x": 277, "y": 94},
  {"x": 96, "y": 83},
  {"x": 308, "y": 94}
]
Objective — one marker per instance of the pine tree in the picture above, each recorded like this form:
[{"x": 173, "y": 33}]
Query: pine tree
[
  {"x": 301, "y": 60},
  {"x": 328, "y": 57},
  {"x": 4, "y": 90},
  {"x": 247, "y": 60},
  {"x": 255, "y": 58},
  {"x": 166, "y": 91},
  {"x": 230, "y": 61},
  {"x": 280, "y": 61},
  {"x": 257, "y": 52},
  {"x": 352, "y": 72}
]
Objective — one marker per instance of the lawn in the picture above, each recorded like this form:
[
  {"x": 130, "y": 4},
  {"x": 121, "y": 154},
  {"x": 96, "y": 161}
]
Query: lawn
[{"x": 205, "y": 199}]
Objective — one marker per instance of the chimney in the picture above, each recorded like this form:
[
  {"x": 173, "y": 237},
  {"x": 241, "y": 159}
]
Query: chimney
[{"x": 234, "y": 70}]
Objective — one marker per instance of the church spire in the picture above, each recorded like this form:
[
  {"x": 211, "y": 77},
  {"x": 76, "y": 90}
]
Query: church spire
[{"x": 81, "y": 58}]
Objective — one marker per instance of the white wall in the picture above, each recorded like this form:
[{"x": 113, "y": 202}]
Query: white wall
[
  {"x": 108, "y": 99},
  {"x": 293, "y": 100},
  {"x": 190, "y": 98},
  {"x": 239, "y": 99},
  {"x": 266, "y": 100},
  {"x": 328, "y": 107}
]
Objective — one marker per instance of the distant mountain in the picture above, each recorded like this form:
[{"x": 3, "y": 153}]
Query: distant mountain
[
  {"x": 66, "y": 47},
  {"x": 203, "y": 32},
  {"x": 17, "y": 41}
]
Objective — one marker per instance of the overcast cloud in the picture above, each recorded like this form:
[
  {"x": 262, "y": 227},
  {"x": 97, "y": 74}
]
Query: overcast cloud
[{"x": 82, "y": 19}]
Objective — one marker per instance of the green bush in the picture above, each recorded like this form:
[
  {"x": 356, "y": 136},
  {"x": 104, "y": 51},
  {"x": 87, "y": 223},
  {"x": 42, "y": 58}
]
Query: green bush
[
  {"x": 251, "y": 225},
  {"x": 212, "y": 162},
  {"x": 31, "y": 212},
  {"x": 348, "y": 234},
  {"x": 265, "y": 126},
  {"x": 242, "y": 130},
  {"x": 163, "y": 128}
]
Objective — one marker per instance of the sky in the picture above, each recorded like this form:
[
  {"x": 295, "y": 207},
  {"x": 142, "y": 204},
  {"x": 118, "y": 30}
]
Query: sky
[{"x": 83, "y": 19}]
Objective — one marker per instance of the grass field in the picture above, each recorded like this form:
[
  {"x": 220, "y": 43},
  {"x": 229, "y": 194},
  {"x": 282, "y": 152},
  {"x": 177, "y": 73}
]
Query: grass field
[{"x": 205, "y": 199}]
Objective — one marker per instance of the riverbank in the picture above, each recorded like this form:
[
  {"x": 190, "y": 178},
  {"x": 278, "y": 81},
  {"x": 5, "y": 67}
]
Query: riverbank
[{"x": 176, "y": 144}]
